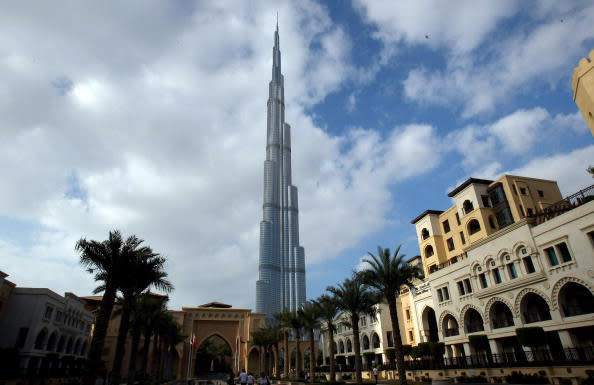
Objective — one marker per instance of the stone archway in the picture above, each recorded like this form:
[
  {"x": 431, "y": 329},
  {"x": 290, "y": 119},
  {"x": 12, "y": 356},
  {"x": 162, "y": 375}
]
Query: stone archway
[
  {"x": 429, "y": 324},
  {"x": 254, "y": 361},
  {"x": 214, "y": 355}
]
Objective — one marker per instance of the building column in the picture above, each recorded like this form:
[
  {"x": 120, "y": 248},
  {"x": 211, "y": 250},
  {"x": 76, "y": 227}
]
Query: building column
[
  {"x": 466, "y": 347},
  {"x": 495, "y": 347},
  {"x": 568, "y": 340}
]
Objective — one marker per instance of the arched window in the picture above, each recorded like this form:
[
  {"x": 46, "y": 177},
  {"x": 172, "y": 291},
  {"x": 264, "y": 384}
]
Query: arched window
[
  {"x": 69, "y": 346},
  {"x": 501, "y": 316},
  {"x": 376, "y": 341},
  {"x": 473, "y": 321},
  {"x": 341, "y": 345},
  {"x": 474, "y": 227},
  {"x": 534, "y": 308},
  {"x": 51, "y": 343},
  {"x": 450, "y": 326},
  {"x": 41, "y": 338},
  {"x": 575, "y": 299},
  {"x": 61, "y": 343},
  {"x": 424, "y": 233},
  {"x": 467, "y": 206},
  {"x": 83, "y": 350},
  {"x": 365, "y": 342},
  {"x": 349, "y": 345},
  {"x": 428, "y": 251}
]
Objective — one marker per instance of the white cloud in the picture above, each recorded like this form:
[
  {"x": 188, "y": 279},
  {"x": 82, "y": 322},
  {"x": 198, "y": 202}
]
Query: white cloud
[
  {"x": 484, "y": 66},
  {"x": 160, "y": 117},
  {"x": 519, "y": 131}
]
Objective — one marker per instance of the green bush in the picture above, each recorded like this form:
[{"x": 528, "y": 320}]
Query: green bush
[
  {"x": 406, "y": 350},
  {"x": 472, "y": 380},
  {"x": 521, "y": 378},
  {"x": 390, "y": 354}
]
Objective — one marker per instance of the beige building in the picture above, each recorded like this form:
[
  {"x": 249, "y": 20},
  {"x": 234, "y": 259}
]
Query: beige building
[
  {"x": 582, "y": 84},
  {"x": 510, "y": 253},
  {"x": 6, "y": 288}
]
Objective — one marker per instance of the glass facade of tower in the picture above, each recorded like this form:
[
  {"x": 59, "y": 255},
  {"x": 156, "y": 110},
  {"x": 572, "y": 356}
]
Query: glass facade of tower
[{"x": 281, "y": 283}]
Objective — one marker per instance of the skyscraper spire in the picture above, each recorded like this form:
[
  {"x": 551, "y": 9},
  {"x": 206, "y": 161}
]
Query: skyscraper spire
[{"x": 281, "y": 283}]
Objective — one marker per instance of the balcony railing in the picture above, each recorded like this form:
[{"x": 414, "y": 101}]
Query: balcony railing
[
  {"x": 573, "y": 310},
  {"x": 447, "y": 263},
  {"x": 569, "y": 203},
  {"x": 502, "y": 323},
  {"x": 451, "y": 332}
]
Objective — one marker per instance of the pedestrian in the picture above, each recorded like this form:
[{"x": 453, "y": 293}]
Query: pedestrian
[
  {"x": 250, "y": 379},
  {"x": 263, "y": 379},
  {"x": 243, "y": 377},
  {"x": 375, "y": 373}
]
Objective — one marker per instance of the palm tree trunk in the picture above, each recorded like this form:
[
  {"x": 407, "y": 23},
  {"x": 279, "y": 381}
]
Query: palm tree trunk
[
  {"x": 134, "y": 354},
  {"x": 286, "y": 352},
  {"x": 298, "y": 364},
  {"x": 154, "y": 362},
  {"x": 312, "y": 356},
  {"x": 277, "y": 361},
  {"x": 397, "y": 340},
  {"x": 116, "y": 372},
  {"x": 357, "y": 343},
  {"x": 332, "y": 352},
  {"x": 145, "y": 351},
  {"x": 100, "y": 331}
]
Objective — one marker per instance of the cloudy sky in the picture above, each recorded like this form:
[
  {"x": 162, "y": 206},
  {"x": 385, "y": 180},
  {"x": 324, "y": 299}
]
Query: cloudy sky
[{"x": 150, "y": 117}]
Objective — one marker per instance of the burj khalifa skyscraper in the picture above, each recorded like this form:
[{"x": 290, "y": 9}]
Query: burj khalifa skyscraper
[{"x": 281, "y": 283}]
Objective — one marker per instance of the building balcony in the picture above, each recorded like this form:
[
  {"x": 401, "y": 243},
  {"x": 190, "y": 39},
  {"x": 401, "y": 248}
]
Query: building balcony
[{"x": 569, "y": 203}]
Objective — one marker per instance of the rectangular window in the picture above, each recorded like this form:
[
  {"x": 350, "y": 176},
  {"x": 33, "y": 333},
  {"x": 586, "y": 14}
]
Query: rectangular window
[
  {"x": 411, "y": 336},
  {"x": 439, "y": 295},
  {"x": 530, "y": 212},
  {"x": 446, "y": 293},
  {"x": 483, "y": 280},
  {"x": 446, "y": 226},
  {"x": 529, "y": 265},
  {"x": 512, "y": 270},
  {"x": 461, "y": 288},
  {"x": 48, "y": 312},
  {"x": 496, "y": 276},
  {"x": 458, "y": 219},
  {"x": 450, "y": 243},
  {"x": 467, "y": 286},
  {"x": 591, "y": 235},
  {"x": 390, "y": 339},
  {"x": 552, "y": 256},
  {"x": 564, "y": 251},
  {"x": 462, "y": 237},
  {"x": 485, "y": 199},
  {"x": 407, "y": 314},
  {"x": 514, "y": 188},
  {"x": 522, "y": 211},
  {"x": 541, "y": 193},
  {"x": 522, "y": 191}
]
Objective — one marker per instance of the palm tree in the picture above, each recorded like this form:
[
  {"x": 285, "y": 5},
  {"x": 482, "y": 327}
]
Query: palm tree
[
  {"x": 145, "y": 270},
  {"x": 107, "y": 260},
  {"x": 328, "y": 310},
  {"x": 275, "y": 336},
  {"x": 297, "y": 326},
  {"x": 309, "y": 315},
  {"x": 284, "y": 321},
  {"x": 387, "y": 274},
  {"x": 355, "y": 300},
  {"x": 148, "y": 314},
  {"x": 260, "y": 340}
]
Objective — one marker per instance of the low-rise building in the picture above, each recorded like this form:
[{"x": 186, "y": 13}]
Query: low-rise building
[
  {"x": 48, "y": 330},
  {"x": 6, "y": 288},
  {"x": 527, "y": 261}
]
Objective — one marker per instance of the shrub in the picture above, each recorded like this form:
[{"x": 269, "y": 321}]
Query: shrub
[
  {"x": 472, "y": 380},
  {"x": 521, "y": 378},
  {"x": 391, "y": 354},
  {"x": 406, "y": 350}
]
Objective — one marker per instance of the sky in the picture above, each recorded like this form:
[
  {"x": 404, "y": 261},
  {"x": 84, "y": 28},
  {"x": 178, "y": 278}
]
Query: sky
[{"x": 150, "y": 117}]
